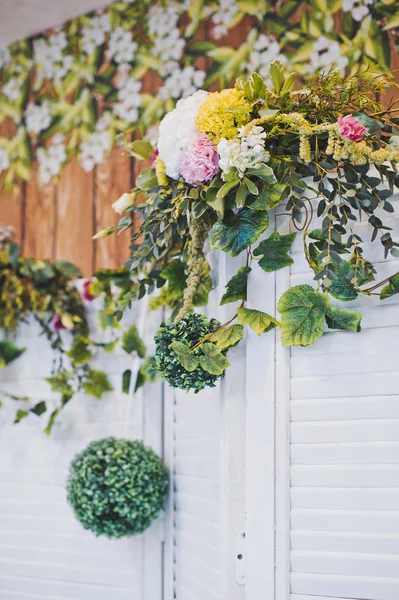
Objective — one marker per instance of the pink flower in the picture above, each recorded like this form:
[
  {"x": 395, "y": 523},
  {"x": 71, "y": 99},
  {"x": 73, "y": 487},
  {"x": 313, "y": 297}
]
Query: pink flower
[
  {"x": 350, "y": 127},
  {"x": 154, "y": 156},
  {"x": 86, "y": 294},
  {"x": 200, "y": 162},
  {"x": 57, "y": 323}
]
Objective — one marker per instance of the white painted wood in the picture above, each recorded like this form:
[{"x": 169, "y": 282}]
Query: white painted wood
[{"x": 44, "y": 552}]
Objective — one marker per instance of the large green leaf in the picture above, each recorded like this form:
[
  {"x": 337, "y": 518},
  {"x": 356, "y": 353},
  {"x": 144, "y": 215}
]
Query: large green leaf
[
  {"x": 342, "y": 287},
  {"x": 188, "y": 361},
  {"x": 213, "y": 361},
  {"x": 257, "y": 320},
  {"x": 237, "y": 286},
  {"x": 269, "y": 196},
  {"x": 9, "y": 352},
  {"x": 302, "y": 315},
  {"x": 338, "y": 318},
  {"x": 390, "y": 289},
  {"x": 96, "y": 384},
  {"x": 132, "y": 342},
  {"x": 175, "y": 275},
  {"x": 80, "y": 352},
  {"x": 275, "y": 251},
  {"x": 238, "y": 230},
  {"x": 228, "y": 336}
]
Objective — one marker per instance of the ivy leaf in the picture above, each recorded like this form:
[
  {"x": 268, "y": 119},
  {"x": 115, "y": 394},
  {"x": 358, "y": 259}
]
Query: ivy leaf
[
  {"x": 68, "y": 269},
  {"x": 237, "y": 286},
  {"x": 342, "y": 287},
  {"x": 126, "y": 377},
  {"x": 80, "y": 352},
  {"x": 228, "y": 337},
  {"x": 96, "y": 384},
  {"x": 259, "y": 321},
  {"x": 213, "y": 361},
  {"x": 9, "y": 352},
  {"x": 61, "y": 382},
  {"x": 174, "y": 273},
  {"x": 39, "y": 409},
  {"x": 275, "y": 251},
  {"x": 269, "y": 196},
  {"x": 338, "y": 318},
  {"x": 303, "y": 315},
  {"x": 186, "y": 359},
  {"x": 391, "y": 289},
  {"x": 132, "y": 342},
  {"x": 64, "y": 400},
  {"x": 238, "y": 230},
  {"x": 20, "y": 414},
  {"x": 110, "y": 347}
]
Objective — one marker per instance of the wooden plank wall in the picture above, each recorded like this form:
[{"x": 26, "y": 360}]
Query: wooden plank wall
[{"x": 57, "y": 221}]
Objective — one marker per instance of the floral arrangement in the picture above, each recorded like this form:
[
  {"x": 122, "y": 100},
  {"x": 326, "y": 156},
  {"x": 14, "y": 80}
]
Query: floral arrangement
[
  {"x": 223, "y": 161},
  {"x": 68, "y": 91},
  {"x": 39, "y": 290},
  {"x": 117, "y": 487}
]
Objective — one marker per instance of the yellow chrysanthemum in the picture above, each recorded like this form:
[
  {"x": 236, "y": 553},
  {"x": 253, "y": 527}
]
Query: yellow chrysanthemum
[
  {"x": 160, "y": 171},
  {"x": 222, "y": 113}
]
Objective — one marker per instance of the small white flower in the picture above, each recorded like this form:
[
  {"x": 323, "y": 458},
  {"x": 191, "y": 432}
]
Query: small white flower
[
  {"x": 12, "y": 89},
  {"x": 5, "y": 57},
  {"x": 93, "y": 35},
  {"x": 51, "y": 160},
  {"x": 38, "y": 117},
  {"x": 327, "y": 54},
  {"x": 123, "y": 203},
  {"x": 129, "y": 100},
  {"x": 243, "y": 153},
  {"x": 4, "y": 160},
  {"x": 359, "y": 12},
  {"x": 121, "y": 47},
  {"x": 93, "y": 149},
  {"x": 265, "y": 51},
  {"x": 184, "y": 82}
]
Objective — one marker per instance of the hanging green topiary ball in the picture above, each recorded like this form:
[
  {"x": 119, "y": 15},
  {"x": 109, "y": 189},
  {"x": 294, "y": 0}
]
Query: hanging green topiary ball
[
  {"x": 117, "y": 487},
  {"x": 191, "y": 329}
]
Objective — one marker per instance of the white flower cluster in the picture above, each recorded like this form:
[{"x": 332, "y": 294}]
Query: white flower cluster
[
  {"x": 265, "y": 50},
  {"x": 4, "y": 160},
  {"x": 326, "y": 54},
  {"x": 93, "y": 149},
  {"x": 164, "y": 29},
  {"x": 48, "y": 53},
  {"x": 358, "y": 8},
  {"x": 129, "y": 100},
  {"x": 5, "y": 57},
  {"x": 121, "y": 47},
  {"x": 244, "y": 152},
  {"x": 38, "y": 117},
  {"x": 12, "y": 89},
  {"x": 176, "y": 130},
  {"x": 223, "y": 18},
  {"x": 182, "y": 82},
  {"x": 93, "y": 35},
  {"x": 50, "y": 160}
]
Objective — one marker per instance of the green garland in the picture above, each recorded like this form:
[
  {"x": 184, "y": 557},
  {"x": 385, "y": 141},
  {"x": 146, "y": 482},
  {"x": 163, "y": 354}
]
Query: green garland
[
  {"x": 44, "y": 291},
  {"x": 69, "y": 91}
]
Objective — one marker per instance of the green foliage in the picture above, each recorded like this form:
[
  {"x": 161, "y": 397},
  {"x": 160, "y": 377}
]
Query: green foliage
[
  {"x": 274, "y": 251},
  {"x": 259, "y": 321},
  {"x": 238, "y": 230},
  {"x": 237, "y": 286},
  {"x": 305, "y": 313},
  {"x": 213, "y": 361},
  {"x": 9, "y": 352},
  {"x": 228, "y": 337},
  {"x": 175, "y": 351},
  {"x": 132, "y": 342},
  {"x": 96, "y": 384},
  {"x": 392, "y": 287},
  {"x": 117, "y": 487}
]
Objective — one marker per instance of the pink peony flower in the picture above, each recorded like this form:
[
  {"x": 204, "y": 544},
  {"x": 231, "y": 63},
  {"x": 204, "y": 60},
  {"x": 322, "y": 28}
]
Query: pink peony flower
[
  {"x": 57, "y": 323},
  {"x": 351, "y": 128},
  {"x": 200, "y": 162},
  {"x": 85, "y": 293}
]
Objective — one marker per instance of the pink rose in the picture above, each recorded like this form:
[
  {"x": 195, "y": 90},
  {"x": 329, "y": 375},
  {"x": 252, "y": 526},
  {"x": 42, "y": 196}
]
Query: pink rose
[
  {"x": 351, "y": 128},
  {"x": 85, "y": 293},
  {"x": 200, "y": 162},
  {"x": 57, "y": 323}
]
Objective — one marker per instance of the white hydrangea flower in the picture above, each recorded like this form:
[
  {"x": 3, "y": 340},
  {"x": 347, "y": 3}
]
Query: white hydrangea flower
[
  {"x": 93, "y": 149},
  {"x": 49, "y": 55},
  {"x": 38, "y": 117},
  {"x": 5, "y": 57},
  {"x": 169, "y": 47},
  {"x": 176, "y": 130},
  {"x": 129, "y": 101},
  {"x": 243, "y": 152},
  {"x": 162, "y": 20},
  {"x": 4, "y": 160},
  {"x": 326, "y": 54},
  {"x": 51, "y": 159},
  {"x": 122, "y": 74},
  {"x": 182, "y": 83},
  {"x": 265, "y": 51},
  {"x": 93, "y": 35},
  {"x": 223, "y": 18},
  {"x": 12, "y": 89},
  {"x": 121, "y": 47},
  {"x": 358, "y": 8}
]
